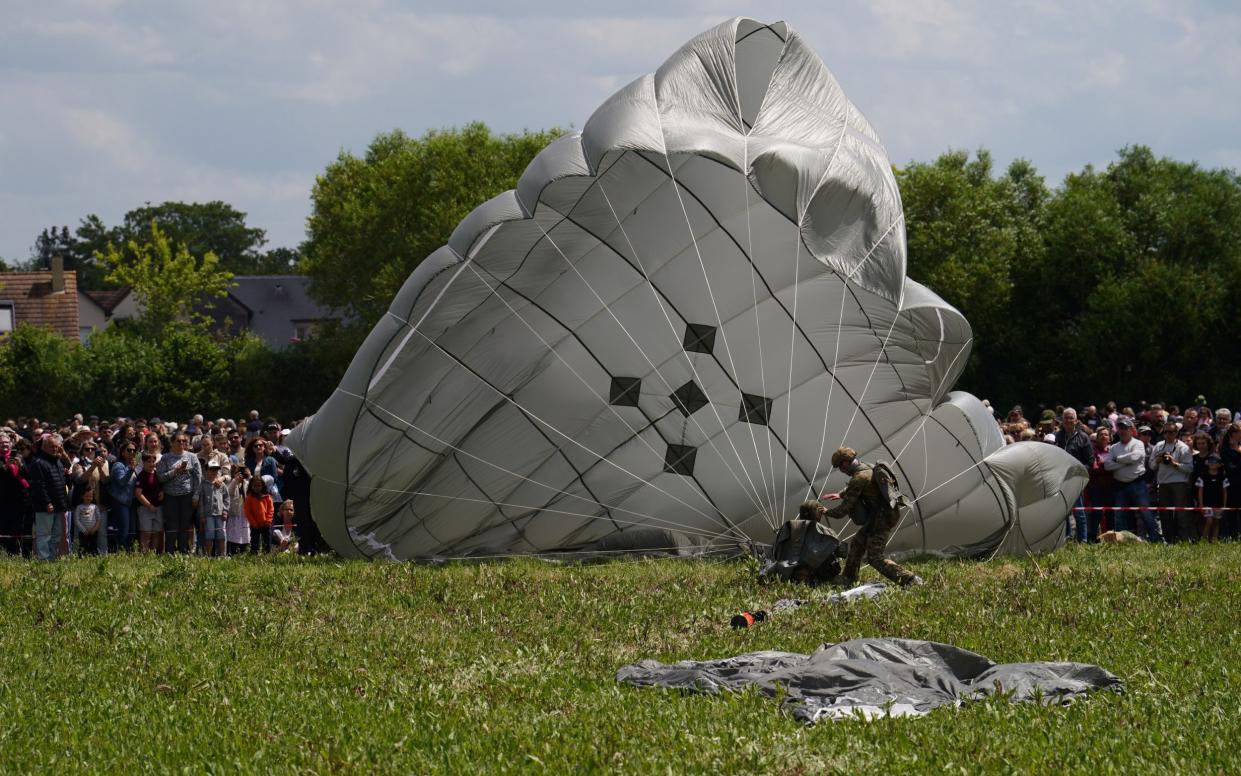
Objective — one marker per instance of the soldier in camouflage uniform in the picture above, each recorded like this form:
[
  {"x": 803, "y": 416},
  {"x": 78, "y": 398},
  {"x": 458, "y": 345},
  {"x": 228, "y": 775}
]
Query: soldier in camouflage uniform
[{"x": 862, "y": 501}]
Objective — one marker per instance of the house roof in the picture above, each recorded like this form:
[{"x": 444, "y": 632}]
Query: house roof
[
  {"x": 108, "y": 298},
  {"x": 34, "y": 302},
  {"x": 276, "y": 302}
]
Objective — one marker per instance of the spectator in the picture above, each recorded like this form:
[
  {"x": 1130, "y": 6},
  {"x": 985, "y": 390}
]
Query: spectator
[
  {"x": 181, "y": 477},
  {"x": 237, "y": 529},
  {"x": 1190, "y": 420},
  {"x": 14, "y": 496},
  {"x": 207, "y": 454},
  {"x": 150, "y": 498},
  {"x": 1201, "y": 447},
  {"x": 1099, "y": 489},
  {"x": 121, "y": 485},
  {"x": 1173, "y": 464},
  {"x": 282, "y": 537},
  {"x": 50, "y": 496},
  {"x": 1127, "y": 462},
  {"x": 259, "y": 513},
  {"x": 234, "y": 447},
  {"x": 91, "y": 523},
  {"x": 213, "y": 503},
  {"x": 253, "y": 426},
  {"x": 1090, "y": 418},
  {"x": 1212, "y": 497},
  {"x": 1073, "y": 439},
  {"x": 1223, "y": 419},
  {"x": 1230, "y": 455}
]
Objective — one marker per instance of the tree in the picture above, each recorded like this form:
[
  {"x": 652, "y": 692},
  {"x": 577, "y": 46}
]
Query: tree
[
  {"x": 40, "y": 372},
  {"x": 375, "y": 218},
  {"x": 967, "y": 231},
  {"x": 77, "y": 253},
  {"x": 169, "y": 283},
  {"x": 210, "y": 227}
]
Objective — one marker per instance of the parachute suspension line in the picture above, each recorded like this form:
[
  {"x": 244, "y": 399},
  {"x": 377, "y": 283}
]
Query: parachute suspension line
[
  {"x": 663, "y": 140},
  {"x": 496, "y": 466},
  {"x": 671, "y": 328},
  {"x": 883, "y": 348},
  {"x": 926, "y": 415},
  {"x": 773, "y": 520},
  {"x": 957, "y": 476},
  {"x": 831, "y": 386},
  {"x": 604, "y": 305},
  {"x": 801, "y": 216},
  {"x": 561, "y": 434},
  {"x": 635, "y": 433},
  {"x": 646, "y": 519}
]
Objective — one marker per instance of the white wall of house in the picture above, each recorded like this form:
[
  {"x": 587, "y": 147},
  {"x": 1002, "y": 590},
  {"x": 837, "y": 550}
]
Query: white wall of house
[{"x": 91, "y": 317}]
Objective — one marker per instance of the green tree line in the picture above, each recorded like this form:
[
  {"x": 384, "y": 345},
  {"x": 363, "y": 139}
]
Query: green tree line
[{"x": 1116, "y": 283}]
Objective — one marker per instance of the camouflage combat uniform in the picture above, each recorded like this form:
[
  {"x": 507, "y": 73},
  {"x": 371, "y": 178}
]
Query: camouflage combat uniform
[{"x": 862, "y": 498}]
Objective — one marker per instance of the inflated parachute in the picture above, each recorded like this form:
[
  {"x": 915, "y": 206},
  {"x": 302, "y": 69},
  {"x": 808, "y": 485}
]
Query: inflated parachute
[{"x": 664, "y": 331}]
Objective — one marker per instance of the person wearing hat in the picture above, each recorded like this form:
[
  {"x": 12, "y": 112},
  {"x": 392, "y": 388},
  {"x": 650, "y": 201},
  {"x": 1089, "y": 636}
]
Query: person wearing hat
[
  {"x": 1173, "y": 464},
  {"x": 1213, "y": 487},
  {"x": 213, "y": 503},
  {"x": 1126, "y": 460},
  {"x": 863, "y": 501}
]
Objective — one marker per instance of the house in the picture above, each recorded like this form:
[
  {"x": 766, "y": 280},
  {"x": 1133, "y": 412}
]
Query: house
[
  {"x": 277, "y": 308},
  {"x": 48, "y": 298}
]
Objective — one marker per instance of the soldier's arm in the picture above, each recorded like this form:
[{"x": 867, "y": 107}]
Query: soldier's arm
[{"x": 847, "y": 499}]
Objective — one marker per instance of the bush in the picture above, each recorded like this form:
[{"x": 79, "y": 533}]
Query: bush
[{"x": 188, "y": 369}]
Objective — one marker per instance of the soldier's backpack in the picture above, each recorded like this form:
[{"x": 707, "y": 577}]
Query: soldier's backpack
[
  {"x": 805, "y": 550},
  {"x": 888, "y": 487}
]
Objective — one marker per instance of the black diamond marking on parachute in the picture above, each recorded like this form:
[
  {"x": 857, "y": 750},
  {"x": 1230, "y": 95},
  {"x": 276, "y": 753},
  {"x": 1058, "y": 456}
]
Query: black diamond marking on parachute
[
  {"x": 680, "y": 460},
  {"x": 755, "y": 409},
  {"x": 625, "y": 391},
  {"x": 699, "y": 338},
  {"x": 689, "y": 398}
]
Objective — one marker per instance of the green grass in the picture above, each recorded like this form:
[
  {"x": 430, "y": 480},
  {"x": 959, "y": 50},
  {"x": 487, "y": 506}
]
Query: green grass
[{"x": 160, "y": 664}]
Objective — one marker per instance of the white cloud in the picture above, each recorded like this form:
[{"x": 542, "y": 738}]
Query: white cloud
[{"x": 104, "y": 105}]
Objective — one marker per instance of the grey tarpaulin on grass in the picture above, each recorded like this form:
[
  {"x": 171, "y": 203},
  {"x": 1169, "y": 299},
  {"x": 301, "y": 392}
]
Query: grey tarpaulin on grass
[
  {"x": 875, "y": 677},
  {"x": 671, "y": 322}
]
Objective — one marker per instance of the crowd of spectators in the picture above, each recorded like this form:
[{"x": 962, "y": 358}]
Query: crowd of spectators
[
  {"x": 207, "y": 487},
  {"x": 1166, "y": 474}
]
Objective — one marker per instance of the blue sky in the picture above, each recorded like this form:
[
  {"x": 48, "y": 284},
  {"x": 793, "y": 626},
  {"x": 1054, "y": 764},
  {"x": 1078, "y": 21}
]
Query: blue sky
[{"x": 105, "y": 105}]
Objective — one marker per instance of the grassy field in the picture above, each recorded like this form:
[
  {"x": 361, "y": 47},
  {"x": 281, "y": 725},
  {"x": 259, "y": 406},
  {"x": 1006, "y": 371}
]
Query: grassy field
[{"x": 160, "y": 664}]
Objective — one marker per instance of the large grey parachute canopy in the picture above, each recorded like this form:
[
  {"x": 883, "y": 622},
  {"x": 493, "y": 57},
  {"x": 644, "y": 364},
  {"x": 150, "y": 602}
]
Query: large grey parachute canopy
[
  {"x": 877, "y": 677},
  {"x": 670, "y": 324}
]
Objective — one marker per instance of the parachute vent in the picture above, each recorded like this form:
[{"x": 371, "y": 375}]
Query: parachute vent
[
  {"x": 680, "y": 460},
  {"x": 755, "y": 409},
  {"x": 699, "y": 338},
  {"x": 689, "y": 398},
  {"x": 625, "y": 391}
]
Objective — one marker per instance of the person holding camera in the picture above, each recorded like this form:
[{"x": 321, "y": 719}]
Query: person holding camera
[{"x": 1173, "y": 464}]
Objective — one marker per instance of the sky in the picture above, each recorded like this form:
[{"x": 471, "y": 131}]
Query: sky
[{"x": 107, "y": 105}]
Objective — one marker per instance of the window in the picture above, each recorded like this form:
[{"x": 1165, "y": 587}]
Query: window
[
  {"x": 755, "y": 409},
  {"x": 6, "y": 317},
  {"x": 303, "y": 330}
]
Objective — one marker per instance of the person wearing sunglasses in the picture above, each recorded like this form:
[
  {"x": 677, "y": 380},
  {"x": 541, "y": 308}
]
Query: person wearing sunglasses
[{"x": 121, "y": 484}]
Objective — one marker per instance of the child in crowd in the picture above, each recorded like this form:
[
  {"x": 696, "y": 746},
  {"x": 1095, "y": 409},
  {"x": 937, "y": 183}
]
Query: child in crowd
[
  {"x": 90, "y": 522},
  {"x": 259, "y": 513},
  {"x": 149, "y": 494},
  {"x": 237, "y": 528},
  {"x": 282, "y": 537},
  {"x": 213, "y": 510},
  {"x": 1212, "y": 496}
]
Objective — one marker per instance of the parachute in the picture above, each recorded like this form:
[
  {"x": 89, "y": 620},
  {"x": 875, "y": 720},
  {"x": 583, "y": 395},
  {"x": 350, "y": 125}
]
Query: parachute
[{"x": 664, "y": 330}]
